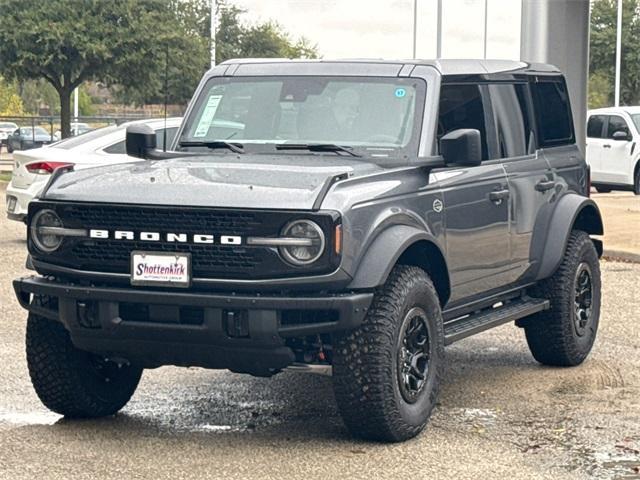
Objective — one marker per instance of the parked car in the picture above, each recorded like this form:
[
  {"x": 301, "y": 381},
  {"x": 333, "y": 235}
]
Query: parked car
[
  {"x": 77, "y": 128},
  {"x": 104, "y": 146},
  {"x": 25, "y": 138},
  {"x": 613, "y": 148},
  {"x": 6, "y": 129},
  {"x": 354, "y": 218}
]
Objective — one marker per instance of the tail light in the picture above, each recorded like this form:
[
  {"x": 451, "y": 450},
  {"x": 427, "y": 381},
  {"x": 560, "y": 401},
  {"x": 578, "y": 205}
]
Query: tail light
[{"x": 45, "y": 168}]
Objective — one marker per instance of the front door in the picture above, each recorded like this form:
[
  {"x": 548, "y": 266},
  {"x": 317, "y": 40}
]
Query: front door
[
  {"x": 616, "y": 154},
  {"x": 476, "y": 211}
]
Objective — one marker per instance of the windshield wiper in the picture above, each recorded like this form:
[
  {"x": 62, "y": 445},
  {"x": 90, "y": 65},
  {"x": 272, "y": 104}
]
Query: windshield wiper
[
  {"x": 317, "y": 147},
  {"x": 213, "y": 144}
]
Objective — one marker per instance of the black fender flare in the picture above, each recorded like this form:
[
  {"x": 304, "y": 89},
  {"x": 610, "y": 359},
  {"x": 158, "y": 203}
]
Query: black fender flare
[
  {"x": 385, "y": 251},
  {"x": 572, "y": 211}
]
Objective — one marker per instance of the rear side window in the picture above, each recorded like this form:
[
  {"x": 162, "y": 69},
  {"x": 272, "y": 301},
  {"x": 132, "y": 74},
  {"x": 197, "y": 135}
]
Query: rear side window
[
  {"x": 617, "y": 124},
  {"x": 461, "y": 106},
  {"x": 594, "y": 126},
  {"x": 512, "y": 119},
  {"x": 553, "y": 114}
]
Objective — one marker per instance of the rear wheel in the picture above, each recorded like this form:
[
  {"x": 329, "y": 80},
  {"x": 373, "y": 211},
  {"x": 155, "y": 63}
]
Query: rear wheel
[
  {"x": 636, "y": 181},
  {"x": 72, "y": 382},
  {"x": 564, "y": 334},
  {"x": 600, "y": 189},
  {"x": 387, "y": 372}
]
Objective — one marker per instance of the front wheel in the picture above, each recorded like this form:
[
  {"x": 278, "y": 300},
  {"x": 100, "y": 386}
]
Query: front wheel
[
  {"x": 387, "y": 372},
  {"x": 72, "y": 382},
  {"x": 564, "y": 334},
  {"x": 636, "y": 182}
]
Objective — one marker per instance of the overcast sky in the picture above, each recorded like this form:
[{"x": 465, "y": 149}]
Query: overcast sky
[{"x": 383, "y": 28}]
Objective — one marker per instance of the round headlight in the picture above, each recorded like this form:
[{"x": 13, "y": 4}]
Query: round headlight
[
  {"x": 311, "y": 244},
  {"x": 41, "y": 233}
]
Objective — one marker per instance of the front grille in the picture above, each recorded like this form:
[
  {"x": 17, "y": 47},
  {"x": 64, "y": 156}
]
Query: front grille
[{"x": 208, "y": 260}]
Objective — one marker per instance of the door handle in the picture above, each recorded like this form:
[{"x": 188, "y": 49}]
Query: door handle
[
  {"x": 544, "y": 185},
  {"x": 498, "y": 195},
  {"x": 606, "y": 146}
]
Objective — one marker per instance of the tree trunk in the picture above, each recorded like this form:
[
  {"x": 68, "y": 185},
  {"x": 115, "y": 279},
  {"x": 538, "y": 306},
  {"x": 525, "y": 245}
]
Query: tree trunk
[{"x": 65, "y": 112}]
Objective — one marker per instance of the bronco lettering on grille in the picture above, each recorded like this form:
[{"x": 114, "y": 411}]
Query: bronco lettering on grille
[{"x": 167, "y": 237}]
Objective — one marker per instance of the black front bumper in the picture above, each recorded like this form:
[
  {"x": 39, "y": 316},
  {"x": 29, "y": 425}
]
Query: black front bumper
[{"x": 241, "y": 332}]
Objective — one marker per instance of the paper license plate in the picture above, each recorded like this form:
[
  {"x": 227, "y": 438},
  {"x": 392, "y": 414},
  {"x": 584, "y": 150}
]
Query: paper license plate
[{"x": 161, "y": 269}]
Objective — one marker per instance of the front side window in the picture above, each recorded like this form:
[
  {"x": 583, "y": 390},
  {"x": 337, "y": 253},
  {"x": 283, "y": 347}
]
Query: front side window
[
  {"x": 616, "y": 124},
  {"x": 380, "y": 116},
  {"x": 595, "y": 125},
  {"x": 461, "y": 106},
  {"x": 636, "y": 121}
]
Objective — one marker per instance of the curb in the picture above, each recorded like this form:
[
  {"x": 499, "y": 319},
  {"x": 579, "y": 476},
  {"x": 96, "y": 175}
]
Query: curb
[{"x": 621, "y": 256}]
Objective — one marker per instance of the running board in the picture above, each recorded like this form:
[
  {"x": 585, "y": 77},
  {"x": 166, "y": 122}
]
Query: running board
[{"x": 485, "y": 319}]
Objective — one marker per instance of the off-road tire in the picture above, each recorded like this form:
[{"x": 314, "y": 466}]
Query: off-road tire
[
  {"x": 69, "y": 381},
  {"x": 552, "y": 334},
  {"x": 366, "y": 378},
  {"x": 600, "y": 189}
]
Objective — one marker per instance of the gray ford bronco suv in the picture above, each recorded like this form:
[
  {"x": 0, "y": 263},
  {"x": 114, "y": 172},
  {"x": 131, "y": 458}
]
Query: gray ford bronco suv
[{"x": 352, "y": 217}]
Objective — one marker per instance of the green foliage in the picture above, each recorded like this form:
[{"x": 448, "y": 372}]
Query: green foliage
[
  {"x": 603, "y": 53},
  {"x": 268, "y": 40},
  {"x": 37, "y": 93},
  {"x": 10, "y": 102},
  {"x": 69, "y": 41},
  {"x": 599, "y": 90}
]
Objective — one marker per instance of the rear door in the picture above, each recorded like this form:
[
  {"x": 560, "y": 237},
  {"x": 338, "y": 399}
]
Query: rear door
[
  {"x": 595, "y": 142},
  {"x": 528, "y": 174},
  {"x": 476, "y": 203}
]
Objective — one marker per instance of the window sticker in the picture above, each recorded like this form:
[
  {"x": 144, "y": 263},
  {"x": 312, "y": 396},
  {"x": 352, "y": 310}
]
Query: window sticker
[
  {"x": 207, "y": 116},
  {"x": 400, "y": 92}
]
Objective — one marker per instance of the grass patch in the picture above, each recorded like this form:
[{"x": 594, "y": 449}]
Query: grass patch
[{"x": 5, "y": 176}]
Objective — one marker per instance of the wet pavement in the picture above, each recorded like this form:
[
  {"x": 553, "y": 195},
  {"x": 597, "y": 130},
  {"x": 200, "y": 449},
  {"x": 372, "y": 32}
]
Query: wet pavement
[{"x": 501, "y": 415}]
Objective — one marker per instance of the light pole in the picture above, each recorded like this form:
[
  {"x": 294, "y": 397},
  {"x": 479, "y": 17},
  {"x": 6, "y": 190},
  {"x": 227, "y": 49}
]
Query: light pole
[
  {"x": 618, "y": 53},
  {"x": 214, "y": 21},
  {"x": 415, "y": 27},
  {"x": 439, "y": 30}
]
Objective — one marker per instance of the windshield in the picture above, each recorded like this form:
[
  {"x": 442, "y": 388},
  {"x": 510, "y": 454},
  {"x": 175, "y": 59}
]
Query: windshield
[
  {"x": 375, "y": 115},
  {"x": 636, "y": 120},
  {"x": 30, "y": 131}
]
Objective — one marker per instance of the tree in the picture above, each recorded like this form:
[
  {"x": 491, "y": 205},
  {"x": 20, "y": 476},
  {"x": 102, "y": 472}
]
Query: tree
[
  {"x": 603, "y": 52},
  {"x": 69, "y": 41},
  {"x": 10, "y": 102},
  {"x": 234, "y": 39},
  {"x": 269, "y": 40}
]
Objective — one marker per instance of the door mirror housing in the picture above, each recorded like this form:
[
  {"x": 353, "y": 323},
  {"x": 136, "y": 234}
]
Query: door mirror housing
[
  {"x": 140, "y": 141},
  {"x": 462, "y": 147},
  {"x": 621, "y": 135}
]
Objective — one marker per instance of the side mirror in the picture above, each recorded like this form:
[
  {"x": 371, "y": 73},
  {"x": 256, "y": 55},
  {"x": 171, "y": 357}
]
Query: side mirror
[
  {"x": 621, "y": 135},
  {"x": 462, "y": 147},
  {"x": 141, "y": 141}
]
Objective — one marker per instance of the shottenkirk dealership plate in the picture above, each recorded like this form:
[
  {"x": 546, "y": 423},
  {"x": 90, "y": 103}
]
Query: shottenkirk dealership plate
[{"x": 161, "y": 269}]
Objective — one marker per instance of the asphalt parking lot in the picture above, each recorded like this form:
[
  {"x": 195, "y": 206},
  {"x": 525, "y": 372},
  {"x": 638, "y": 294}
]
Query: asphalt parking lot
[{"x": 501, "y": 415}]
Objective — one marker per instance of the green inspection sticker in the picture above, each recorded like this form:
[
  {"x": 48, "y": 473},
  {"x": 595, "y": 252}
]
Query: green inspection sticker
[{"x": 207, "y": 116}]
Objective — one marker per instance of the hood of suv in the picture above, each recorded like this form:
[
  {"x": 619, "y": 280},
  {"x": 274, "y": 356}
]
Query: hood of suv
[{"x": 236, "y": 181}]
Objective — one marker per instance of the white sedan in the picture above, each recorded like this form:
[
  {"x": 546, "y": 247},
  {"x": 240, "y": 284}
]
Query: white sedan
[{"x": 105, "y": 146}]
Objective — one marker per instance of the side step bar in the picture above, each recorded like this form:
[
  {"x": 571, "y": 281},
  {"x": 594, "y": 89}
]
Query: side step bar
[{"x": 485, "y": 319}]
